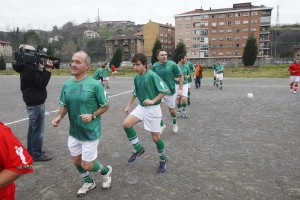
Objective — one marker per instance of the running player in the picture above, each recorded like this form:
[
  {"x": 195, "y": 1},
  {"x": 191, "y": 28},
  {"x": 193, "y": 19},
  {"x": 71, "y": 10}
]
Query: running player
[
  {"x": 294, "y": 70},
  {"x": 219, "y": 69},
  {"x": 149, "y": 88},
  {"x": 190, "y": 80}
]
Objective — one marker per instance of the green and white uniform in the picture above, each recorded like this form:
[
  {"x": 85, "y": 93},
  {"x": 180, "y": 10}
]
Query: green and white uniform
[
  {"x": 148, "y": 86},
  {"x": 98, "y": 74},
  {"x": 83, "y": 97},
  {"x": 185, "y": 69},
  {"x": 219, "y": 75},
  {"x": 105, "y": 73},
  {"x": 192, "y": 69},
  {"x": 168, "y": 71}
]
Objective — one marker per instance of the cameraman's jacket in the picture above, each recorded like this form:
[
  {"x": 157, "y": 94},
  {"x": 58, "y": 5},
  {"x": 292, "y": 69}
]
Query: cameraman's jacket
[{"x": 33, "y": 86}]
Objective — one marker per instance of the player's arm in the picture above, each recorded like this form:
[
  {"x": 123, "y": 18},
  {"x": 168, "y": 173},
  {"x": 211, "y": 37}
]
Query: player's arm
[
  {"x": 7, "y": 176},
  {"x": 62, "y": 112},
  {"x": 153, "y": 101}
]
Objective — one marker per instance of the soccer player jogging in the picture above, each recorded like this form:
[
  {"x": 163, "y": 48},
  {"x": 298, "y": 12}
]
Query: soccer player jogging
[
  {"x": 294, "y": 70},
  {"x": 98, "y": 75},
  {"x": 219, "y": 69},
  {"x": 149, "y": 88},
  {"x": 85, "y": 100},
  {"x": 168, "y": 70},
  {"x": 182, "y": 100},
  {"x": 105, "y": 72},
  {"x": 214, "y": 71},
  {"x": 15, "y": 160},
  {"x": 190, "y": 80}
]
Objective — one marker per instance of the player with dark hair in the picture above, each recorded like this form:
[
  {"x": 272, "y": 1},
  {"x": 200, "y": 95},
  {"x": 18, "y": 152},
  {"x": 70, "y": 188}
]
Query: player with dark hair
[{"x": 294, "y": 70}]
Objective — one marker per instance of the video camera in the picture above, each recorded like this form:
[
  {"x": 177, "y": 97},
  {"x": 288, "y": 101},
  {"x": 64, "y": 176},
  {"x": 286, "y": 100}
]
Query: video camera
[{"x": 28, "y": 56}]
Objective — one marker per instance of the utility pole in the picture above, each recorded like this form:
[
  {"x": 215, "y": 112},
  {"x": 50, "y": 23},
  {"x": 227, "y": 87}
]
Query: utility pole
[{"x": 276, "y": 31}]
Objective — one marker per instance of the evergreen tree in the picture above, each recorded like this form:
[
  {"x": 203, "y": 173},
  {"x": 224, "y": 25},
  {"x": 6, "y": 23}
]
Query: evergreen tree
[
  {"x": 156, "y": 46},
  {"x": 117, "y": 58},
  {"x": 180, "y": 49},
  {"x": 250, "y": 51},
  {"x": 2, "y": 63}
]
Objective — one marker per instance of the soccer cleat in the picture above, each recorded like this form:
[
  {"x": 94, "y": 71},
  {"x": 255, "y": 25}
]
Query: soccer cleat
[
  {"x": 107, "y": 178},
  {"x": 162, "y": 166},
  {"x": 184, "y": 115},
  {"x": 136, "y": 154},
  {"x": 178, "y": 114},
  {"x": 175, "y": 128},
  {"x": 295, "y": 92},
  {"x": 85, "y": 188},
  {"x": 162, "y": 128}
]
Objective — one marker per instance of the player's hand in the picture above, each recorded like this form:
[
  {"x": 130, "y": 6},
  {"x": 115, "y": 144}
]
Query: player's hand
[
  {"x": 148, "y": 102},
  {"x": 127, "y": 109},
  {"x": 56, "y": 121},
  {"x": 86, "y": 118},
  {"x": 179, "y": 92}
]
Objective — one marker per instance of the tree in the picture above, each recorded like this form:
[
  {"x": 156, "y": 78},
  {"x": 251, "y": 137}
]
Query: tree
[
  {"x": 180, "y": 49},
  {"x": 117, "y": 58},
  {"x": 2, "y": 63},
  {"x": 250, "y": 51},
  {"x": 156, "y": 46},
  {"x": 31, "y": 38},
  {"x": 68, "y": 49}
]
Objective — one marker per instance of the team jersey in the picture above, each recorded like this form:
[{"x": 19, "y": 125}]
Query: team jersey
[
  {"x": 105, "y": 72},
  {"x": 13, "y": 157},
  {"x": 148, "y": 86},
  {"x": 98, "y": 74},
  {"x": 219, "y": 67},
  {"x": 215, "y": 66},
  {"x": 167, "y": 71},
  {"x": 185, "y": 69},
  {"x": 294, "y": 67},
  {"x": 192, "y": 69},
  {"x": 83, "y": 97}
]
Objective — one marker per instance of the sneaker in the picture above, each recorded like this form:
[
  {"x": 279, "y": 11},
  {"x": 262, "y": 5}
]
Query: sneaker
[
  {"x": 184, "y": 115},
  {"x": 189, "y": 102},
  {"x": 107, "y": 178},
  {"x": 162, "y": 166},
  {"x": 292, "y": 90},
  {"x": 136, "y": 154},
  {"x": 178, "y": 114},
  {"x": 85, "y": 188},
  {"x": 295, "y": 92},
  {"x": 162, "y": 128},
  {"x": 42, "y": 158},
  {"x": 175, "y": 128}
]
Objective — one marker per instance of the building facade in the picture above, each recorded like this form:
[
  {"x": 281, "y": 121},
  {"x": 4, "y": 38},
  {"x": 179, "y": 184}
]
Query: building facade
[
  {"x": 165, "y": 33},
  {"x": 223, "y": 33},
  {"x": 130, "y": 45}
]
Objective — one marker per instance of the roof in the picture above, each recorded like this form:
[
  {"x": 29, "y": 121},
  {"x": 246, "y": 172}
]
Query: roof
[{"x": 124, "y": 37}]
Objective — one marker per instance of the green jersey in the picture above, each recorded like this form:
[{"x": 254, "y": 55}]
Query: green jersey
[
  {"x": 215, "y": 66},
  {"x": 98, "y": 74},
  {"x": 192, "y": 69},
  {"x": 185, "y": 69},
  {"x": 219, "y": 67},
  {"x": 167, "y": 71},
  {"x": 148, "y": 86},
  {"x": 83, "y": 97},
  {"x": 105, "y": 72}
]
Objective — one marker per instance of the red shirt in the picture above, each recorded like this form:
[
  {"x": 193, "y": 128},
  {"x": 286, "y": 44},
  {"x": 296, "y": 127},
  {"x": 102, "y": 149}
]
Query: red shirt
[
  {"x": 13, "y": 157},
  {"x": 113, "y": 68},
  {"x": 296, "y": 68}
]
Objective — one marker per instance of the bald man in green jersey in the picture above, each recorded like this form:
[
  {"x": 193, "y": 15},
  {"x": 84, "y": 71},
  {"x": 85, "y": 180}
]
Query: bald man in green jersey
[
  {"x": 85, "y": 100},
  {"x": 149, "y": 88},
  {"x": 168, "y": 70}
]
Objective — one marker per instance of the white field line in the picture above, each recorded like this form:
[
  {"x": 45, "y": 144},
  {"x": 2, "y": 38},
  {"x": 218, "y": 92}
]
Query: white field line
[{"x": 47, "y": 113}]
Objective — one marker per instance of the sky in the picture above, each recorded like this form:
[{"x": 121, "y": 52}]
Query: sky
[{"x": 36, "y": 14}]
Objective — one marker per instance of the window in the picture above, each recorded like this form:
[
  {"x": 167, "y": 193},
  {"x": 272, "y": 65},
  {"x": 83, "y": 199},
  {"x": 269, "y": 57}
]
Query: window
[
  {"x": 245, "y": 37},
  {"x": 245, "y": 22},
  {"x": 221, "y": 38},
  {"x": 228, "y": 53},
  {"x": 228, "y": 38},
  {"x": 254, "y": 21},
  {"x": 194, "y": 53},
  {"x": 203, "y": 47},
  {"x": 237, "y": 22},
  {"x": 229, "y": 23},
  {"x": 229, "y": 30},
  {"x": 221, "y": 54},
  {"x": 204, "y": 16},
  {"x": 245, "y": 13},
  {"x": 228, "y": 45},
  {"x": 214, "y": 24},
  {"x": 187, "y": 32},
  {"x": 213, "y": 39},
  {"x": 187, "y": 25},
  {"x": 237, "y": 30},
  {"x": 196, "y": 24},
  {"x": 179, "y": 19},
  {"x": 196, "y": 17},
  {"x": 237, "y": 14},
  {"x": 230, "y": 15},
  {"x": 221, "y": 23},
  {"x": 221, "y": 31},
  {"x": 221, "y": 15},
  {"x": 245, "y": 29},
  {"x": 237, "y": 45},
  {"x": 204, "y": 23},
  {"x": 236, "y": 38},
  {"x": 196, "y": 32},
  {"x": 187, "y": 18},
  {"x": 213, "y": 16},
  {"x": 179, "y": 26},
  {"x": 196, "y": 46},
  {"x": 253, "y": 29},
  {"x": 204, "y": 32},
  {"x": 254, "y": 13},
  {"x": 221, "y": 46},
  {"x": 213, "y": 31}
]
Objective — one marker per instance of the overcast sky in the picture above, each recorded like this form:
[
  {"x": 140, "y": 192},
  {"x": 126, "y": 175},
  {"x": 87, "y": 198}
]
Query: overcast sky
[{"x": 36, "y": 14}]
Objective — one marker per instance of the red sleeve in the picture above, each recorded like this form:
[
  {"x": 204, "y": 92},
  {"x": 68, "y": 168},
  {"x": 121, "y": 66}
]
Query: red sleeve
[{"x": 13, "y": 155}]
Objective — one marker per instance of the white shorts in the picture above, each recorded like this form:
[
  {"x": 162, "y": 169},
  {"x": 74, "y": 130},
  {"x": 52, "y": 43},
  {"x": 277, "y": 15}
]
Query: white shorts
[
  {"x": 87, "y": 149},
  {"x": 219, "y": 76},
  {"x": 114, "y": 72},
  {"x": 106, "y": 78},
  {"x": 170, "y": 101},
  {"x": 185, "y": 90},
  {"x": 150, "y": 116},
  {"x": 189, "y": 84},
  {"x": 294, "y": 78},
  {"x": 214, "y": 73}
]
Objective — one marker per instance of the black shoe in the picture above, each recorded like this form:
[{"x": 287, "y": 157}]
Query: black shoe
[
  {"x": 162, "y": 166},
  {"x": 136, "y": 154},
  {"x": 189, "y": 102},
  {"x": 42, "y": 158}
]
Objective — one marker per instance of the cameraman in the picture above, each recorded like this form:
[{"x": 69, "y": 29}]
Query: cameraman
[{"x": 33, "y": 87}]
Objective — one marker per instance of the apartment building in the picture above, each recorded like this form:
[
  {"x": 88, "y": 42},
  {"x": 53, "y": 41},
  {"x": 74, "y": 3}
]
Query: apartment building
[
  {"x": 130, "y": 44},
  {"x": 223, "y": 33},
  {"x": 164, "y": 32}
]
